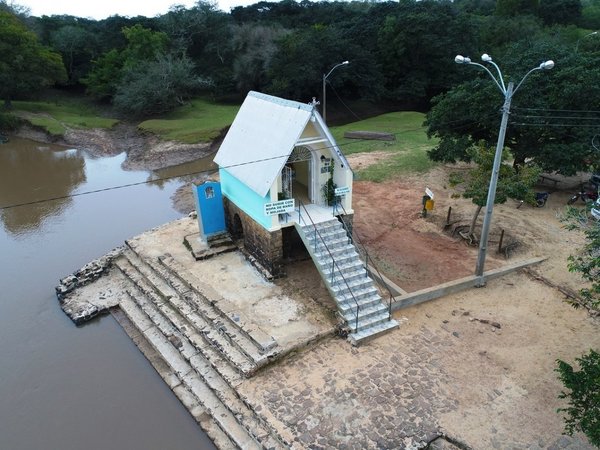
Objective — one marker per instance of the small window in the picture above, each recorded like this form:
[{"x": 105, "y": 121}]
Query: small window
[{"x": 209, "y": 192}]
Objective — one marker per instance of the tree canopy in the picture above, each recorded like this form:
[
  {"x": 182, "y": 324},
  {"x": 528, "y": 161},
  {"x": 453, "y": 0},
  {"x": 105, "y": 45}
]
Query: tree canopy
[
  {"x": 552, "y": 117},
  {"x": 26, "y": 66}
]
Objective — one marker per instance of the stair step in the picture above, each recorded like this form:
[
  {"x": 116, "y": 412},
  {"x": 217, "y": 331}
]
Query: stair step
[
  {"x": 348, "y": 276},
  {"x": 347, "y": 280},
  {"x": 349, "y": 265},
  {"x": 365, "y": 313},
  {"x": 187, "y": 398},
  {"x": 343, "y": 253},
  {"x": 333, "y": 234},
  {"x": 373, "y": 320},
  {"x": 188, "y": 301},
  {"x": 198, "y": 375},
  {"x": 350, "y": 305},
  {"x": 353, "y": 289},
  {"x": 364, "y": 336},
  {"x": 255, "y": 337},
  {"x": 193, "y": 326}
]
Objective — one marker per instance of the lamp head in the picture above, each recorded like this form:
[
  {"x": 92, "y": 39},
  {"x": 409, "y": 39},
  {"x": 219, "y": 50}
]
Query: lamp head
[
  {"x": 459, "y": 59},
  {"x": 486, "y": 58},
  {"x": 547, "y": 65},
  {"x": 346, "y": 62}
]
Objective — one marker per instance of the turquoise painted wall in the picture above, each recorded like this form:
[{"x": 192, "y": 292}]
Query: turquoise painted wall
[{"x": 245, "y": 198}]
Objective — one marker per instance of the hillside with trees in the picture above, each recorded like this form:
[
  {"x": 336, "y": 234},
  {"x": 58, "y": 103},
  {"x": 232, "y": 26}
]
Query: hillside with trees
[{"x": 401, "y": 58}]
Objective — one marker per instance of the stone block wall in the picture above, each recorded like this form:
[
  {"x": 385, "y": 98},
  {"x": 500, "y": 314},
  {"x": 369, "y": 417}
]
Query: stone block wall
[{"x": 265, "y": 246}]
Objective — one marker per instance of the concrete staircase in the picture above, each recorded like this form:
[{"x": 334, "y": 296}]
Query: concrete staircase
[
  {"x": 203, "y": 352},
  {"x": 347, "y": 280}
]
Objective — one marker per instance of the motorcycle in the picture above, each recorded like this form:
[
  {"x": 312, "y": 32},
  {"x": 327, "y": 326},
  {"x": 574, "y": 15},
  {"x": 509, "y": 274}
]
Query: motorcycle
[
  {"x": 586, "y": 194},
  {"x": 540, "y": 199}
]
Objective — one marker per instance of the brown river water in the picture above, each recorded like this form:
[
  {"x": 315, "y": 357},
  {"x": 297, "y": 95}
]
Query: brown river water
[{"x": 63, "y": 387}]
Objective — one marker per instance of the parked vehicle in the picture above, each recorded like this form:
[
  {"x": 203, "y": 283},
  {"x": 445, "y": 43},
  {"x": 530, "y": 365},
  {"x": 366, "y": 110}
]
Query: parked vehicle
[
  {"x": 587, "y": 193},
  {"x": 540, "y": 199},
  {"x": 596, "y": 210}
]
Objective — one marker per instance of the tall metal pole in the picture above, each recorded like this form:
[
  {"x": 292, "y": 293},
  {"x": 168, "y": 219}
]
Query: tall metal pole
[
  {"x": 324, "y": 98},
  {"x": 325, "y": 88},
  {"x": 485, "y": 230}
]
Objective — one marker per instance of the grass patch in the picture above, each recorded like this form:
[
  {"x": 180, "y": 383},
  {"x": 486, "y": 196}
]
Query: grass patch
[
  {"x": 198, "y": 121},
  {"x": 408, "y": 153},
  {"x": 53, "y": 116}
]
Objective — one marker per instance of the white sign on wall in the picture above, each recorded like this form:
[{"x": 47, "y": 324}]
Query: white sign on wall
[
  {"x": 280, "y": 207},
  {"x": 342, "y": 190}
]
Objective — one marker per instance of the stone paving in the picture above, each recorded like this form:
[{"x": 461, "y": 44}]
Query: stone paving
[{"x": 387, "y": 394}]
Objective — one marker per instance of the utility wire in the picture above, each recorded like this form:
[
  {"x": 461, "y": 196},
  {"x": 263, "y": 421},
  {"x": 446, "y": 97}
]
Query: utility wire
[
  {"x": 556, "y": 110},
  {"x": 342, "y": 101},
  {"x": 206, "y": 171}
]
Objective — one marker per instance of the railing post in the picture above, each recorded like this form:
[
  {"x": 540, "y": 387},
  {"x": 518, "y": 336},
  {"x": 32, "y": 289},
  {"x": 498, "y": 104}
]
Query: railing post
[
  {"x": 356, "y": 324},
  {"x": 332, "y": 269}
]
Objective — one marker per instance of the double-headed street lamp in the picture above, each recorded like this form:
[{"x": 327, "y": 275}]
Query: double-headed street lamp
[
  {"x": 325, "y": 88},
  {"x": 508, "y": 93}
]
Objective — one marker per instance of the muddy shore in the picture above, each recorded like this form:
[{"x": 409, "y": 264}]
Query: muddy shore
[{"x": 145, "y": 151}]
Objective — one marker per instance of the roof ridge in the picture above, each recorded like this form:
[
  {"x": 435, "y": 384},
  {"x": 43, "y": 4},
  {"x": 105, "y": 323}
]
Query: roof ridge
[{"x": 282, "y": 101}]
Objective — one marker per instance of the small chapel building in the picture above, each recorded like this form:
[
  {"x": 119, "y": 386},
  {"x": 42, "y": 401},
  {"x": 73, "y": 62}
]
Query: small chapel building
[{"x": 275, "y": 163}]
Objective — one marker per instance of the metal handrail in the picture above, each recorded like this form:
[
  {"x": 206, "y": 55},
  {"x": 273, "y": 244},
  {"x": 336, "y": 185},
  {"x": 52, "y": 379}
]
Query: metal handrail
[
  {"x": 367, "y": 258},
  {"x": 301, "y": 205}
]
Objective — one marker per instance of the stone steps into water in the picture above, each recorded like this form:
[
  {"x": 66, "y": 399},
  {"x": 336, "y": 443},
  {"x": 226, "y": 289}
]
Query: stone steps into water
[
  {"x": 193, "y": 371},
  {"x": 195, "y": 327},
  {"x": 185, "y": 396},
  {"x": 218, "y": 308}
]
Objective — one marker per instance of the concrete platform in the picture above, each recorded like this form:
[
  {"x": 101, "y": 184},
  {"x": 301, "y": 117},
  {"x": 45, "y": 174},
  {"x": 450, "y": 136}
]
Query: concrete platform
[{"x": 234, "y": 285}]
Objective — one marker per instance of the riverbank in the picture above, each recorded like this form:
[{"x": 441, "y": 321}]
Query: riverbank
[{"x": 145, "y": 151}]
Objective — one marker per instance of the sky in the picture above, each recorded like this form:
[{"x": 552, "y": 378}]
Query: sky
[{"x": 100, "y": 9}]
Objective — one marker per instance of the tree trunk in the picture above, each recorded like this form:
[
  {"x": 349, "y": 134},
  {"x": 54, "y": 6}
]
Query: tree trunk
[{"x": 474, "y": 221}]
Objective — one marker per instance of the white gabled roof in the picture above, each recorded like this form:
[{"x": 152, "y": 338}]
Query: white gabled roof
[{"x": 261, "y": 139}]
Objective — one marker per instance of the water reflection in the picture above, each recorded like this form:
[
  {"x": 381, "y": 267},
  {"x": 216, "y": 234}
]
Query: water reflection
[
  {"x": 199, "y": 170},
  {"x": 31, "y": 173}
]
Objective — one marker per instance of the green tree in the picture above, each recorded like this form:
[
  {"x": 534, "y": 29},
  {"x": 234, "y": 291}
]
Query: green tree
[
  {"x": 560, "y": 11},
  {"x": 583, "y": 412},
  {"x": 254, "y": 47},
  {"x": 143, "y": 45},
  {"x": 545, "y": 125},
  {"x": 155, "y": 87},
  {"x": 26, "y": 66},
  {"x": 516, "y": 7},
  {"x": 512, "y": 183},
  {"x": 77, "y": 47},
  {"x": 414, "y": 44},
  {"x": 587, "y": 262}
]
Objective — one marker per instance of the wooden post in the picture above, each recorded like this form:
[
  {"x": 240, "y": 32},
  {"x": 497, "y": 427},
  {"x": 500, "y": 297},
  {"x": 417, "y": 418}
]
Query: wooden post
[
  {"x": 448, "y": 216},
  {"x": 500, "y": 243}
]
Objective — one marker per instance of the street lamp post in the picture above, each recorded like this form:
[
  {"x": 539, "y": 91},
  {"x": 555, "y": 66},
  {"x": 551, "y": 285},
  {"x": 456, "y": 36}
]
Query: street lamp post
[
  {"x": 593, "y": 33},
  {"x": 507, "y": 92},
  {"x": 325, "y": 88}
]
